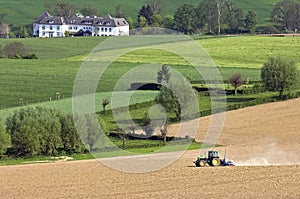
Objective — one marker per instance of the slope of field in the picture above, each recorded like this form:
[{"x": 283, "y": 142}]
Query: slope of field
[
  {"x": 24, "y": 12},
  {"x": 60, "y": 59},
  {"x": 245, "y": 131}
]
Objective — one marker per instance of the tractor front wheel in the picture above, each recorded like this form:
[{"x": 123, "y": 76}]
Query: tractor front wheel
[{"x": 202, "y": 163}]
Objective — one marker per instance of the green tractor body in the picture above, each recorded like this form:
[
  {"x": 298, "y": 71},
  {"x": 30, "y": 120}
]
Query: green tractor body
[{"x": 212, "y": 159}]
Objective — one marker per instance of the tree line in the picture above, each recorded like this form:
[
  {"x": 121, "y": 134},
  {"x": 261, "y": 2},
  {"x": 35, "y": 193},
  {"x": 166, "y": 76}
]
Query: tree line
[
  {"x": 208, "y": 17},
  {"x": 39, "y": 130}
]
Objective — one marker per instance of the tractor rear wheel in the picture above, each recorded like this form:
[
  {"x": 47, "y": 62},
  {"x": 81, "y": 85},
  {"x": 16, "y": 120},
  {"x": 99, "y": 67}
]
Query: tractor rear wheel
[
  {"x": 215, "y": 162},
  {"x": 202, "y": 163}
]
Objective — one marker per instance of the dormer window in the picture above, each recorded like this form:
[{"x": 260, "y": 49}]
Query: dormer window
[
  {"x": 50, "y": 21},
  {"x": 100, "y": 23},
  {"x": 73, "y": 21}
]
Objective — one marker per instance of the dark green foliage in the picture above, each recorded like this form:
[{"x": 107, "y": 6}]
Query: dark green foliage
[
  {"x": 251, "y": 21},
  {"x": 147, "y": 128},
  {"x": 43, "y": 131},
  {"x": 34, "y": 131},
  {"x": 69, "y": 136},
  {"x": 286, "y": 13},
  {"x": 4, "y": 139},
  {"x": 234, "y": 17},
  {"x": 184, "y": 18},
  {"x": 279, "y": 74},
  {"x": 145, "y": 13}
]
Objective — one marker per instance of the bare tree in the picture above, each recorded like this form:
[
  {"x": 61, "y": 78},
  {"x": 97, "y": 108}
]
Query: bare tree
[
  {"x": 4, "y": 30},
  {"x": 164, "y": 132},
  {"x": 64, "y": 9},
  {"x": 236, "y": 80},
  {"x": 220, "y": 4},
  {"x": 105, "y": 102}
]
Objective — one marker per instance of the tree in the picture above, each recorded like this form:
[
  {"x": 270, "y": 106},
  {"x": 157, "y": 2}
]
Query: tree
[
  {"x": 16, "y": 50},
  {"x": 130, "y": 22},
  {"x": 220, "y": 4},
  {"x": 92, "y": 131},
  {"x": 158, "y": 6},
  {"x": 34, "y": 131},
  {"x": 234, "y": 17},
  {"x": 69, "y": 136},
  {"x": 4, "y": 30},
  {"x": 207, "y": 13},
  {"x": 119, "y": 12},
  {"x": 286, "y": 13},
  {"x": 2, "y": 16},
  {"x": 105, "y": 102},
  {"x": 4, "y": 139},
  {"x": 236, "y": 80},
  {"x": 64, "y": 9},
  {"x": 164, "y": 132},
  {"x": 90, "y": 11},
  {"x": 146, "y": 126},
  {"x": 279, "y": 74},
  {"x": 48, "y": 6},
  {"x": 168, "y": 22},
  {"x": 163, "y": 75},
  {"x": 145, "y": 12},
  {"x": 251, "y": 21},
  {"x": 184, "y": 18}
]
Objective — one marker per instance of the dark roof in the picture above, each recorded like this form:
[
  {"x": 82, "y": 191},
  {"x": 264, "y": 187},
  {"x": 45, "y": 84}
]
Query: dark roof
[
  {"x": 78, "y": 19},
  {"x": 46, "y": 18}
]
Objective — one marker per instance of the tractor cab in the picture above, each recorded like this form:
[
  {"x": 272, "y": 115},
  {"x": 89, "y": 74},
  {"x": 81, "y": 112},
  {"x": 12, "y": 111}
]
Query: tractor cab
[{"x": 213, "y": 154}]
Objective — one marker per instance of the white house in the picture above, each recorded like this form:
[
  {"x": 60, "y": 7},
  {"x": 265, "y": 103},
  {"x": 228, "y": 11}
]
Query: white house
[{"x": 53, "y": 26}]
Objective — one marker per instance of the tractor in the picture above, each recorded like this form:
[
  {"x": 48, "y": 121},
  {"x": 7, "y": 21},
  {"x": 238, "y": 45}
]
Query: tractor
[{"x": 212, "y": 159}]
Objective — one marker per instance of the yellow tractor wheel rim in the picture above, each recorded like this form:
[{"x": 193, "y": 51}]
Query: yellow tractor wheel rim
[
  {"x": 202, "y": 164},
  {"x": 215, "y": 162}
]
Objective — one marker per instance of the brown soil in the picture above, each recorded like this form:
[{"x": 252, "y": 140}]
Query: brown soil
[{"x": 265, "y": 135}]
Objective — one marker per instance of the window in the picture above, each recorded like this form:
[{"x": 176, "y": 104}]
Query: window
[
  {"x": 57, "y": 27},
  {"x": 43, "y": 27},
  {"x": 50, "y": 27},
  {"x": 109, "y": 29},
  {"x": 70, "y": 27},
  {"x": 58, "y": 34},
  {"x": 75, "y": 28},
  {"x": 105, "y": 29},
  {"x": 43, "y": 33},
  {"x": 102, "y": 29}
]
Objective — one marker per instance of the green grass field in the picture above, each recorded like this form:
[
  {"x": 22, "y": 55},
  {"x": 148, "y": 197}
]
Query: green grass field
[
  {"x": 36, "y": 81},
  {"x": 24, "y": 12}
]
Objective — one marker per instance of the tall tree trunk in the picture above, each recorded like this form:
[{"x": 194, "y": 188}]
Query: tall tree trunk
[{"x": 220, "y": 4}]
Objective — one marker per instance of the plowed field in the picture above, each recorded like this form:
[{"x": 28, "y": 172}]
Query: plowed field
[{"x": 263, "y": 140}]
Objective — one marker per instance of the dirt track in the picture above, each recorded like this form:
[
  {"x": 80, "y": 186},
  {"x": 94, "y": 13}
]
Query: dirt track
[{"x": 261, "y": 135}]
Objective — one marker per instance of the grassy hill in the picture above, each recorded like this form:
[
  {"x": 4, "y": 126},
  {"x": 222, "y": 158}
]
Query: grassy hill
[
  {"x": 60, "y": 58},
  {"x": 24, "y": 12}
]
